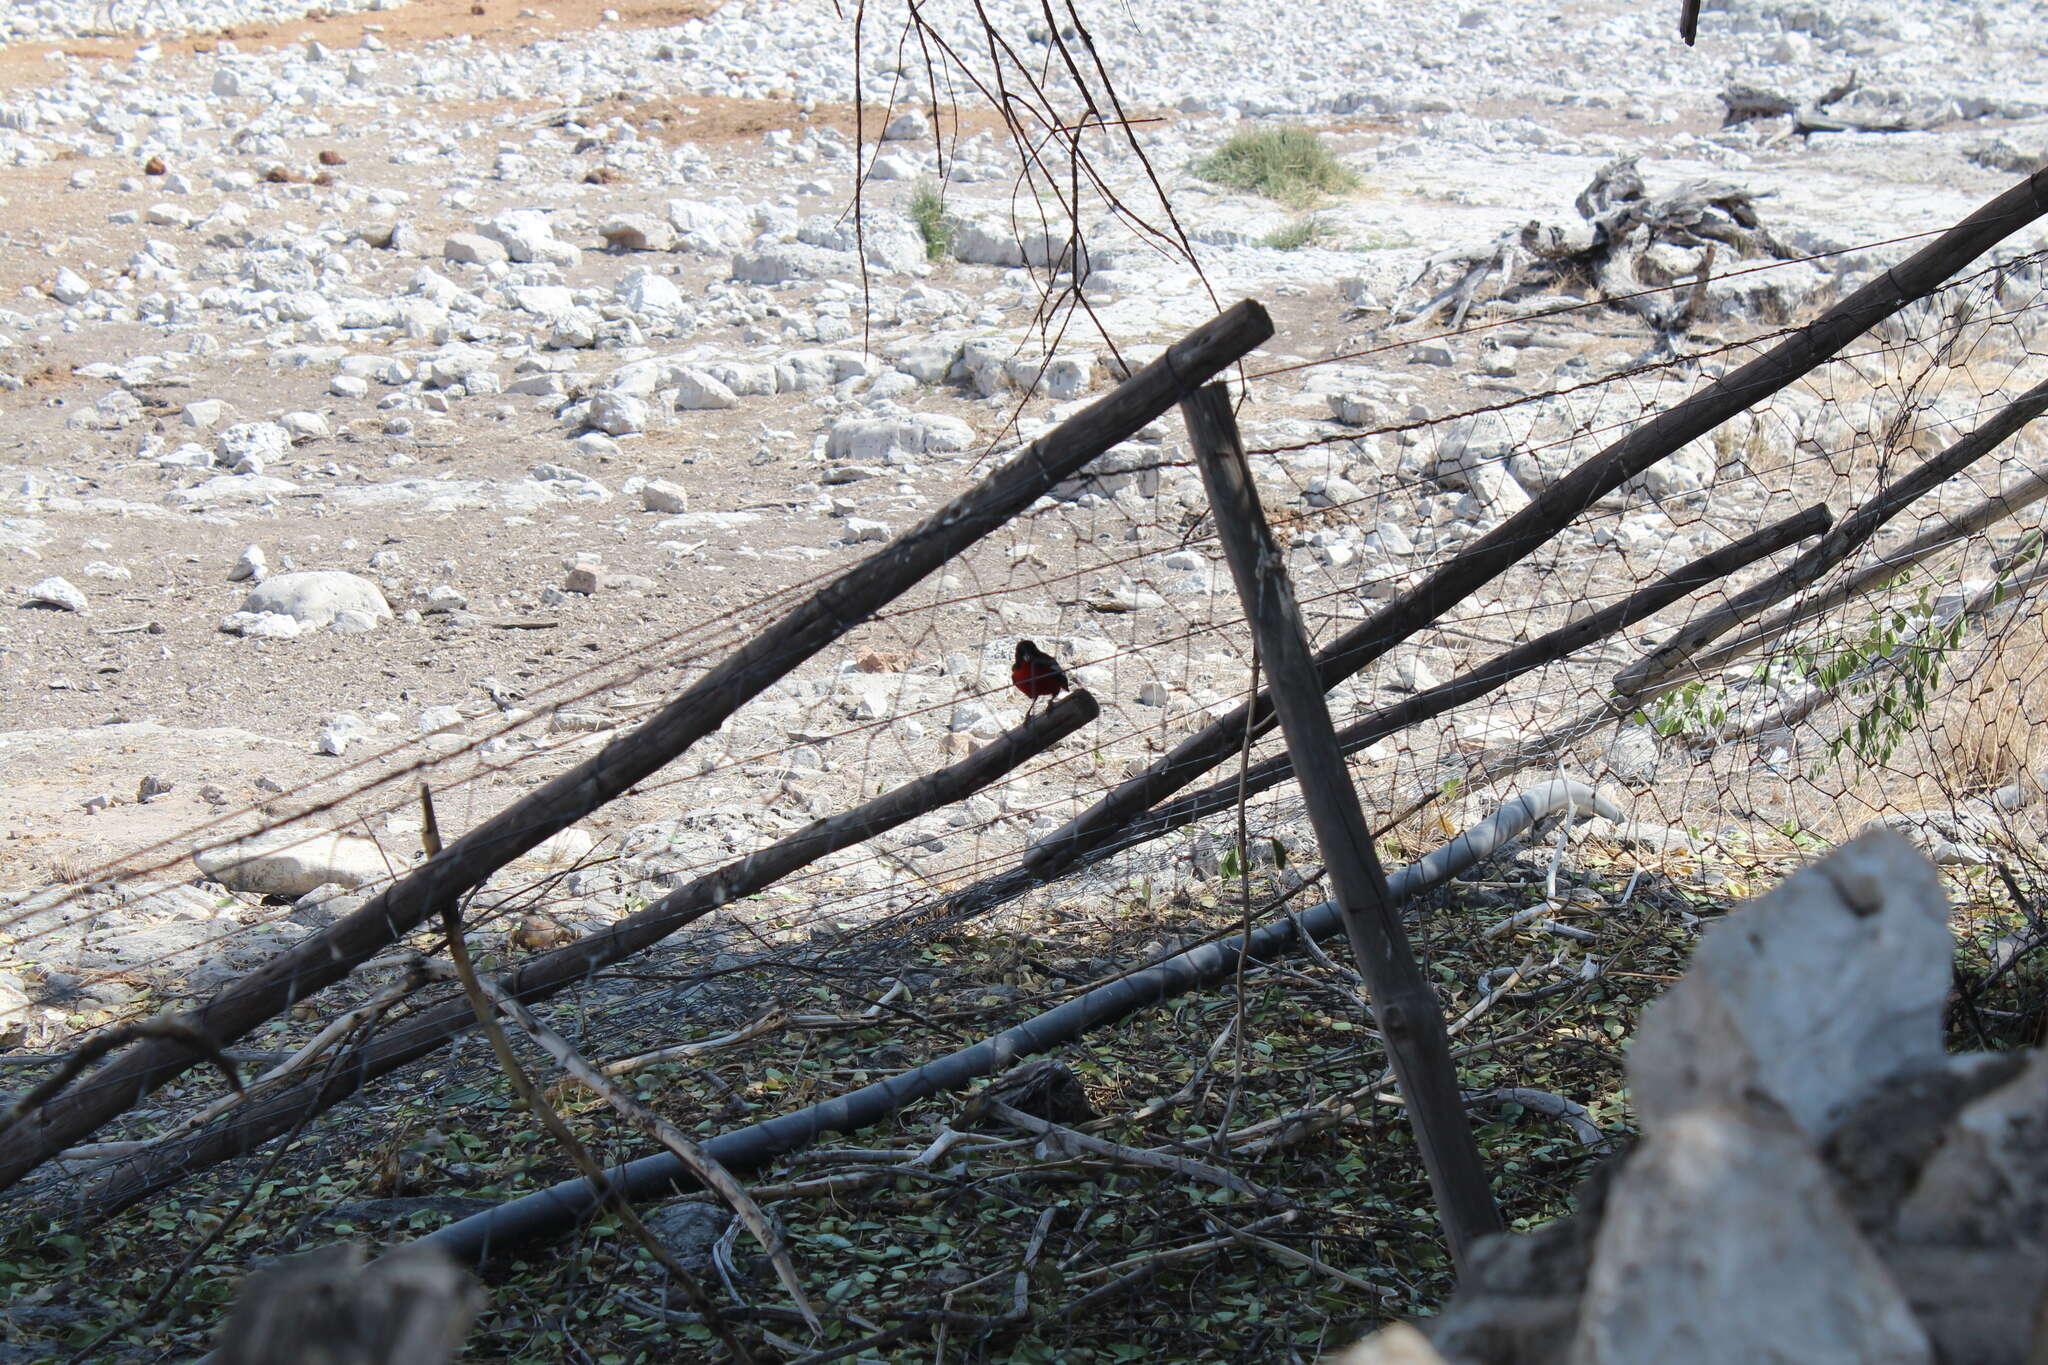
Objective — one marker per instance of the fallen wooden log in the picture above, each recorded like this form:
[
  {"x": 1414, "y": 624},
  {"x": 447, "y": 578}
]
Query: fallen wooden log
[{"x": 559, "y": 1209}]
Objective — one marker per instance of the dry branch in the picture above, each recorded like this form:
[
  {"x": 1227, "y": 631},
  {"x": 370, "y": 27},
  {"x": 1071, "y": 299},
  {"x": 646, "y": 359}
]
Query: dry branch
[
  {"x": 169, "y": 1029},
  {"x": 1065, "y": 1141},
  {"x": 549, "y": 973},
  {"x": 537, "y": 1104},
  {"x": 1919, "y": 550},
  {"x": 1837, "y": 545},
  {"x": 325, "y": 957},
  {"x": 1500, "y": 670},
  {"x": 707, "y": 1171}
]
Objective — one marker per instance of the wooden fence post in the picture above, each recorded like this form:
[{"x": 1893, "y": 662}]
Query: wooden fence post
[{"x": 1409, "y": 1015}]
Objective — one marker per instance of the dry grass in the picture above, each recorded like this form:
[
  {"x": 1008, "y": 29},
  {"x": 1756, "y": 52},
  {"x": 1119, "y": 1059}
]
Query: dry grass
[{"x": 1990, "y": 730}]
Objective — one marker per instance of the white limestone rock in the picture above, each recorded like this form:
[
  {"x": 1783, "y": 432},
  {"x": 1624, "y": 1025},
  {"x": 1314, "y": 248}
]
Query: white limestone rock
[
  {"x": 59, "y": 593},
  {"x": 292, "y": 862},
  {"x": 637, "y": 232},
  {"x": 618, "y": 414},
  {"x": 1724, "y": 1241},
  {"x": 528, "y": 235},
  {"x": 1987, "y": 1183},
  {"x": 698, "y": 391},
  {"x": 863, "y": 439},
  {"x": 702, "y": 227},
  {"x": 248, "y": 446},
  {"x": 473, "y": 248},
  {"x": 1809, "y": 996},
  {"x": 313, "y": 598},
  {"x": 659, "y": 495}
]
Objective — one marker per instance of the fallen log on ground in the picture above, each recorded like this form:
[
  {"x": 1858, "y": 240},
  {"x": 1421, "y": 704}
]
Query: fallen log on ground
[{"x": 559, "y": 1209}]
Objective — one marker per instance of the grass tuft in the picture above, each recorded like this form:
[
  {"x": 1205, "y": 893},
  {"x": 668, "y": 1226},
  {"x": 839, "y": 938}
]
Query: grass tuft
[
  {"x": 928, "y": 211},
  {"x": 1288, "y": 164},
  {"x": 1307, "y": 230}
]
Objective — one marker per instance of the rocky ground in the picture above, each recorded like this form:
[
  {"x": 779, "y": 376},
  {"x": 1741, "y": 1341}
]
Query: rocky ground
[{"x": 550, "y": 327}]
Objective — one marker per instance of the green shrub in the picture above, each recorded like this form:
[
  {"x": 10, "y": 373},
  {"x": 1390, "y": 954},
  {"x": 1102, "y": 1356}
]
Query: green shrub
[
  {"x": 928, "y": 211},
  {"x": 1288, "y": 164}
]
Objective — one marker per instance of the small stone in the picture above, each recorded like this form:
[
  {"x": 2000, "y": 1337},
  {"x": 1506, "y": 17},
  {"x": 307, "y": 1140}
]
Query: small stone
[
  {"x": 471, "y": 248},
  {"x": 151, "y": 786},
  {"x": 1408, "y": 673},
  {"x": 1357, "y": 410},
  {"x": 696, "y": 390},
  {"x": 659, "y": 495},
  {"x": 252, "y": 565},
  {"x": 586, "y": 579},
  {"x": 339, "y": 731},
  {"x": 637, "y": 232},
  {"x": 1152, "y": 692},
  {"x": 437, "y": 718},
  {"x": 305, "y": 426},
  {"x": 58, "y": 593},
  {"x": 14, "y": 1011},
  {"x": 247, "y": 446},
  {"x": 70, "y": 287},
  {"x": 617, "y": 414},
  {"x": 909, "y": 126}
]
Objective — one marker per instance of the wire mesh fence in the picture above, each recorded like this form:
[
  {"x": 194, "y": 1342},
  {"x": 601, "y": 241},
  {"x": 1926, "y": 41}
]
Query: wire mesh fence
[{"x": 1891, "y": 667}]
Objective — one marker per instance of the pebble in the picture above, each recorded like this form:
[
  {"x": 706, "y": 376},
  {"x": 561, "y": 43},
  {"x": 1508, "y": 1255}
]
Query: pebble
[
  {"x": 291, "y": 863},
  {"x": 252, "y": 565},
  {"x": 659, "y": 495},
  {"x": 59, "y": 593}
]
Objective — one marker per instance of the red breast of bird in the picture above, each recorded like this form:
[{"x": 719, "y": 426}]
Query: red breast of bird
[{"x": 1036, "y": 673}]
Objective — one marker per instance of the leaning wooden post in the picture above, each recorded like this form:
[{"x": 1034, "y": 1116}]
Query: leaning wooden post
[{"x": 1407, "y": 1010}]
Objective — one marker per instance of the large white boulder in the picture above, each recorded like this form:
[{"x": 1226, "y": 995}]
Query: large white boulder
[{"x": 315, "y": 597}]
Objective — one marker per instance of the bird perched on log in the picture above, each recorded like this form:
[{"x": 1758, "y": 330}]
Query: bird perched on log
[{"x": 1037, "y": 674}]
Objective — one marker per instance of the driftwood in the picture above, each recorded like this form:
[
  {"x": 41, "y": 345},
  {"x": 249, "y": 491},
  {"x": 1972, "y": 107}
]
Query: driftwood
[
  {"x": 1409, "y": 1015},
  {"x": 325, "y": 1307},
  {"x": 1614, "y": 244},
  {"x": 549, "y": 973},
  {"x": 325, "y": 957}
]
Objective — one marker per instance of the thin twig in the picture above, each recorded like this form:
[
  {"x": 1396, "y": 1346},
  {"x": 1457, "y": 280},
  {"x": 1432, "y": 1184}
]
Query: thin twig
[{"x": 538, "y": 1106}]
